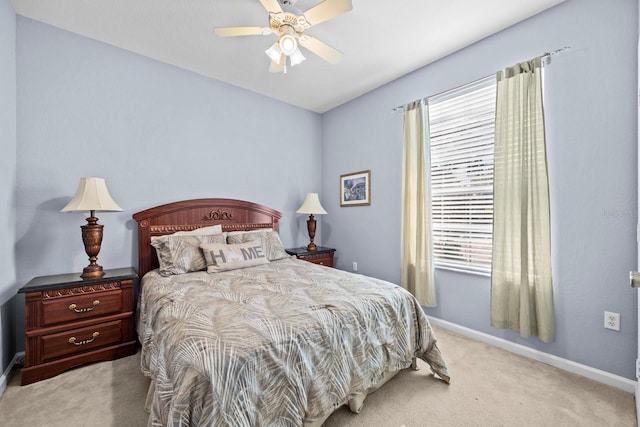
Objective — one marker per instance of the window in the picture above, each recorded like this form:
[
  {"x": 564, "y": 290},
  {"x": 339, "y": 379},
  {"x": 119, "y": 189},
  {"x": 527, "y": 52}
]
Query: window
[{"x": 461, "y": 126}]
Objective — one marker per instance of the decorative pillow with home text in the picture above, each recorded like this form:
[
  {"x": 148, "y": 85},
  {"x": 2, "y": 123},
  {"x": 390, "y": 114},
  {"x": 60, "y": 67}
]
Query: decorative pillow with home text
[
  {"x": 270, "y": 239},
  {"x": 222, "y": 257}
]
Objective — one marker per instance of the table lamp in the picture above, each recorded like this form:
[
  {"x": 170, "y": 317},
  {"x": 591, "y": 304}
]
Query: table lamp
[
  {"x": 311, "y": 206},
  {"x": 92, "y": 196}
]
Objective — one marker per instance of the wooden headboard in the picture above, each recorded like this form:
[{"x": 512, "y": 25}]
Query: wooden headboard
[{"x": 187, "y": 215}]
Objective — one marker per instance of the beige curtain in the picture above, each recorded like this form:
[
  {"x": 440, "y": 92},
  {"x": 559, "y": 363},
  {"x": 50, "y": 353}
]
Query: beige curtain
[
  {"x": 521, "y": 289},
  {"x": 417, "y": 248}
]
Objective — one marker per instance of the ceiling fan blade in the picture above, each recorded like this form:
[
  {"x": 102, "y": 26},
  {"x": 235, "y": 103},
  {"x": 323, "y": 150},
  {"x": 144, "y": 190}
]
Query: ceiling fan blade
[
  {"x": 326, "y": 10},
  {"x": 242, "y": 31},
  {"x": 321, "y": 49},
  {"x": 272, "y": 6}
]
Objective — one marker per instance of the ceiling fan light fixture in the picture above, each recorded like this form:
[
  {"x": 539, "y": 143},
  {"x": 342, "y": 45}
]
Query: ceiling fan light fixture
[
  {"x": 274, "y": 52},
  {"x": 296, "y": 57},
  {"x": 288, "y": 44}
]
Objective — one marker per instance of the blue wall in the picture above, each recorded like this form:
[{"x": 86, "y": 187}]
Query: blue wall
[
  {"x": 7, "y": 181},
  {"x": 590, "y": 106},
  {"x": 156, "y": 133}
]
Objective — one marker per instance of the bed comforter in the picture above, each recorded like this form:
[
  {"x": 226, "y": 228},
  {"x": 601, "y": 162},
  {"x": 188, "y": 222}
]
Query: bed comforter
[{"x": 282, "y": 344}]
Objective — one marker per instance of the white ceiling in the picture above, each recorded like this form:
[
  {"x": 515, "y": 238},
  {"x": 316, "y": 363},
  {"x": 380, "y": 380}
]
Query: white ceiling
[{"x": 380, "y": 40}]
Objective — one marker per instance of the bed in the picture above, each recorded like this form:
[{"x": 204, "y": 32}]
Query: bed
[{"x": 282, "y": 342}]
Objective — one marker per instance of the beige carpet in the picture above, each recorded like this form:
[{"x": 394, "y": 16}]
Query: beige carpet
[{"x": 489, "y": 387}]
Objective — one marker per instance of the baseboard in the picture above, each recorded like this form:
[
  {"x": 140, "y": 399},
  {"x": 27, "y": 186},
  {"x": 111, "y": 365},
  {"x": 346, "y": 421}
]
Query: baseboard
[
  {"x": 598, "y": 375},
  {"x": 638, "y": 402},
  {"x": 4, "y": 379}
]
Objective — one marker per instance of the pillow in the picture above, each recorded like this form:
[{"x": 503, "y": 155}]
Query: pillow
[
  {"x": 221, "y": 257},
  {"x": 257, "y": 230},
  {"x": 270, "y": 242},
  {"x": 213, "y": 229},
  {"x": 182, "y": 254}
]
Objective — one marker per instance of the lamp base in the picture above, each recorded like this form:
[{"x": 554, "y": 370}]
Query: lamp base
[
  {"x": 311, "y": 229},
  {"x": 92, "y": 272},
  {"x": 92, "y": 239}
]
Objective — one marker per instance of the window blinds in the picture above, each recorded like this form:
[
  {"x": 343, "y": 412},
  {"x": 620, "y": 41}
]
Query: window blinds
[{"x": 461, "y": 125}]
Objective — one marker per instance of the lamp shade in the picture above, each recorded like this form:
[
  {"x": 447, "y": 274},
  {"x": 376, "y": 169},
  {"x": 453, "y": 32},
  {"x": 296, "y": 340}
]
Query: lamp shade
[
  {"x": 296, "y": 57},
  {"x": 274, "y": 52},
  {"x": 311, "y": 205},
  {"x": 92, "y": 195}
]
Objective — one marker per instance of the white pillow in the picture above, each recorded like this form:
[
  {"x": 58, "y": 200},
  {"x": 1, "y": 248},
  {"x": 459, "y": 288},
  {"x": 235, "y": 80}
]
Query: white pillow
[
  {"x": 257, "y": 230},
  {"x": 213, "y": 229}
]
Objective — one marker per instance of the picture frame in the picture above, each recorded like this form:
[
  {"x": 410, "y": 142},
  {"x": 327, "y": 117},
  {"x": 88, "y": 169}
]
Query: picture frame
[{"x": 355, "y": 189}]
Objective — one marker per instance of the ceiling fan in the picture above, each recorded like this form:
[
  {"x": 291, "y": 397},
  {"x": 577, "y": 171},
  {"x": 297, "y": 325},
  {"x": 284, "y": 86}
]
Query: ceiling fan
[{"x": 289, "y": 25}]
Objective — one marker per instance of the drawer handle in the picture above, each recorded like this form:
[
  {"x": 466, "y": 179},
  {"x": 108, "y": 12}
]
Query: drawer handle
[
  {"x": 75, "y": 308},
  {"x": 72, "y": 340}
]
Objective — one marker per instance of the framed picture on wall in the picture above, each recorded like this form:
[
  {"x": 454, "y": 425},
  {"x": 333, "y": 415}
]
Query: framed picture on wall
[{"x": 355, "y": 189}]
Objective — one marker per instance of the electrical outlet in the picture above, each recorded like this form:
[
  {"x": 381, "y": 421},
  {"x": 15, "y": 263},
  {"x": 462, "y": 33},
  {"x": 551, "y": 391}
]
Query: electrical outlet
[
  {"x": 612, "y": 321},
  {"x": 355, "y": 266}
]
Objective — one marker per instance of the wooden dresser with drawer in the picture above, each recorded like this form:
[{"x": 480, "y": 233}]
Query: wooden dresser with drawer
[{"x": 70, "y": 321}]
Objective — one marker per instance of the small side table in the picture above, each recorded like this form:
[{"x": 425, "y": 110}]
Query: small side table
[
  {"x": 321, "y": 256},
  {"x": 70, "y": 321}
]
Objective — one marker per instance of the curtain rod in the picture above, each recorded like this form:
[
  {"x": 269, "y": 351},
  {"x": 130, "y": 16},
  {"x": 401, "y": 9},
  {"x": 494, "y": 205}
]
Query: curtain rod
[
  {"x": 546, "y": 57},
  {"x": 556, "y": 52}
]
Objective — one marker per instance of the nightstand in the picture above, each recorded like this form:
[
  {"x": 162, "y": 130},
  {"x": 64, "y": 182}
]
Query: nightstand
[
  {"x": 322, "y": 255},
  {"x": 70, "y": 321}
]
